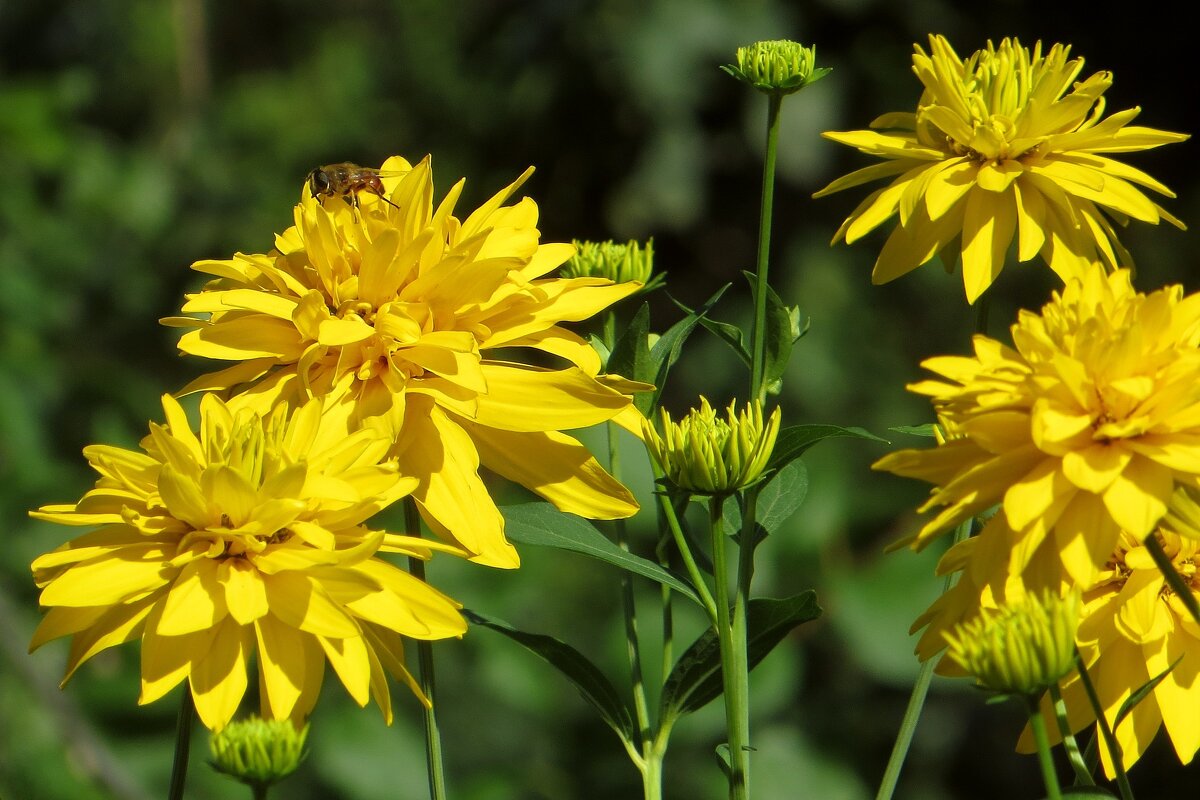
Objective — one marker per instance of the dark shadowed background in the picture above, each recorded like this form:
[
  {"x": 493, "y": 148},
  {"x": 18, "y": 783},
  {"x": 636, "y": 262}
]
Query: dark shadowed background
[{"x": 137, "y": 136}]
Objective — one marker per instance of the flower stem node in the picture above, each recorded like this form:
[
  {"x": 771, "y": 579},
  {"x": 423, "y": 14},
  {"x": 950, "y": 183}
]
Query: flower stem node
[
  {"x": 258, "y": 752},
  {"x": 1021, "y": 649},
  {"x": 776, "y": 67},
  {"x": 705, "y": 454},
  {"x": 614, "y": 261}
]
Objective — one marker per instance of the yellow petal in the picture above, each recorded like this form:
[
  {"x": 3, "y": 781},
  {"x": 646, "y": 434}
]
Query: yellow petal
[
  {"x": 523, "y": 399},
  {"x": 557, "y": 467},
  {"x": 218, "y": 679}
]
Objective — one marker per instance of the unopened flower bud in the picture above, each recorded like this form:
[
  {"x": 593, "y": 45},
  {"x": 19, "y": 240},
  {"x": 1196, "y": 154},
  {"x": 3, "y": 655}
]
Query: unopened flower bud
[
  {"x": 706, "y": 454},
  {"x": 1023, "y": 648},
  {"x": 616, "y": 262},
  {"x": 258, "y": 752},
  {"x": 776, "y": 67}
]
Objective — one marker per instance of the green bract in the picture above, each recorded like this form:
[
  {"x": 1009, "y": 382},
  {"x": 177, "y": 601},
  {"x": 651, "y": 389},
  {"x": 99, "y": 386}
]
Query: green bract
[
  {"x": 1023, "y": 648},
  {"x": 258, "y": 752},
  {"x": 780, "y": 66},
  {"x": 613, "y": 261},
  {"x": 705, "y": 454}
]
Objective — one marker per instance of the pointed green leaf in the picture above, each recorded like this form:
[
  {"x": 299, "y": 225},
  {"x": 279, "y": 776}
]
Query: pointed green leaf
[
  {"x": 795, "y": 439},
  {"x": 631, "y": 352},
  {"x": 727, "y": 333},
  {"x": 544, "y": 525},
  {"x": 596, "y": 689},
  {"x": 777, "y": 500},
  {"x": 666, "y": 351},
  {"x": 696, "y": 678},
  {"x": 916, "y": 430},
  {"x": 1141, "y": 692}
]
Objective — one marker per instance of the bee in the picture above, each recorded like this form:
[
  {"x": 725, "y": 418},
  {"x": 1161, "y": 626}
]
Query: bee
[{"x": 346, "y": 180}]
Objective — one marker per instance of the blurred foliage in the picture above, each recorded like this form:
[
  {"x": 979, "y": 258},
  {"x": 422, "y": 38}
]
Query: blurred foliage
[{"x": 138, "y": 136}]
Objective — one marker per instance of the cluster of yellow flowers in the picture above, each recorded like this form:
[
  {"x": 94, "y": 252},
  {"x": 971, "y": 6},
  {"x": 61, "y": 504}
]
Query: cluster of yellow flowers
[
  {"x": 1084, "y": 435},
  {"x": 363, "y": 374}
]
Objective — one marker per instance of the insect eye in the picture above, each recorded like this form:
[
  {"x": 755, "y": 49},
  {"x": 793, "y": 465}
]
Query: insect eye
[{"x": 318, "y": 182}]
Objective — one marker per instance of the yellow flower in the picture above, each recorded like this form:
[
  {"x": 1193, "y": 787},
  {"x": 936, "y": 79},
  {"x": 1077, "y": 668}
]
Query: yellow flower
[
  {"x": 1132, "y": 628},
  {"x": 1005, "y": 144},
  {"x": 248, "y": 538},
  {"x": 1135, "y": 628},
  {"x": 396, "y": 309},
  {"x": 1083, "y": 429}
]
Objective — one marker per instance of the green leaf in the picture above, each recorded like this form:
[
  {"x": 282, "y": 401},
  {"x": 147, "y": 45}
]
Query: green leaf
[
  {"x": 543, "y": 525},
  {"x": 631, "y": 353},
  {"x": 596, "y": 689},
  {"x": 666, "y": 352},
  {"x": 777, "y": 500},
  {"x": 695, "y": 680},
  {"x": 795, "y": 439},
  {"x": 916, "y": 430},
  {"x": 727, "y": 333},
  {"x": 1141, "y": 692}
]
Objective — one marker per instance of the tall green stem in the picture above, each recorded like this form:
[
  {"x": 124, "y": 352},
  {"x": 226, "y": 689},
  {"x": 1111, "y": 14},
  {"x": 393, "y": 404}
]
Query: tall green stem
[
  {"x": 1049, "y": 775},
  {"x": 1106, "y": 732},
  {"x": 183, "y": 740},
  {"x": 425, "y": 673},
  {"x": 758, "y": 344},
  {"x": 733, "y": 664},
  {"x": 628, "y": 602},
  {"x": 916, "y": 701}
]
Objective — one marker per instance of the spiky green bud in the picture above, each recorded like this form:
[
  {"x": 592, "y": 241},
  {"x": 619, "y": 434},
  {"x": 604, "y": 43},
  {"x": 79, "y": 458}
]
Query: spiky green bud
[
  {"x": 258, "y": 752},
  {"x": 1023, "y": 648},
  {"x": 706, "y": 454},
  {"x": 613, "y": 261},
  {"x": 777, "y": 67}
]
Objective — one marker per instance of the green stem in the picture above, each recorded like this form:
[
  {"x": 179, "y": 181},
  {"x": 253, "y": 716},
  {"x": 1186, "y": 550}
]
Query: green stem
[
  {"x": 1083, "y": 775},
  {"x": 1106, "y": 732},
  {"x": 628, "y": 602},
  {"x": 425, "y": 673},
  {"x": 183, "y": 739},
  {"x": 736, "y": 712},
  {"x": 685, "y": 552},
  {"x": 1178, "y": 585},
  {"x": 758, "y": 389},
  {"x": 1049, "y": 776},
  {"x": 916, "y": 701}
]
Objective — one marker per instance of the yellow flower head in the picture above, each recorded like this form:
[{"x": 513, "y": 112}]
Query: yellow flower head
[
  {"x": 705, "y": 454},
  {"x": 1023, "y": 648},
  {"x": 1132, "y": 628},
  {"x": 392, "y": 307},
  {"x": 1005, "y": 144},
  {"x": 1084, "y": 428},
  {"x": 246, "y": 538}
]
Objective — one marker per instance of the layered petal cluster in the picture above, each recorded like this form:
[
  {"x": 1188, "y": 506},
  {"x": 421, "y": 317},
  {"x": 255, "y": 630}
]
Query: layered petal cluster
[
  {"x": 246, "y": 540},
  {"x": 1081, "y": 430},
  {"x": 1133, "y": 628},
  {"x": 392, "y": 308},
  {"x": 1004, "y": 145}
]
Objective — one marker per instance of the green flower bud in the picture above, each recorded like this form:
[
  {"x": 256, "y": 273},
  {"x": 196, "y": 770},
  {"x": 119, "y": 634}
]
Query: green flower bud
[
  {"x": 776, "y": 67},
  {"x": 705, "y": 454},
  {"x": 619, "y": 263},
  {"x": 1023, "y": 648},
  {"x": 258, "y": 752}
]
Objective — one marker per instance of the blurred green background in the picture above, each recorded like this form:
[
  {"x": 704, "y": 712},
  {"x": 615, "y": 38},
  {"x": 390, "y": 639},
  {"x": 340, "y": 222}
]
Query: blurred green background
[{"x": 137, "y": 136}]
